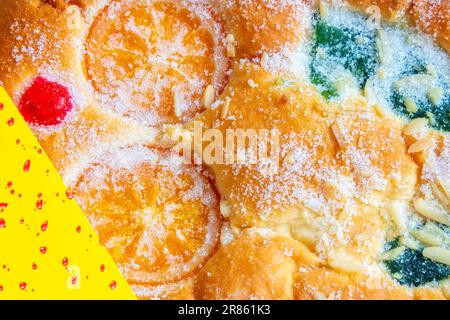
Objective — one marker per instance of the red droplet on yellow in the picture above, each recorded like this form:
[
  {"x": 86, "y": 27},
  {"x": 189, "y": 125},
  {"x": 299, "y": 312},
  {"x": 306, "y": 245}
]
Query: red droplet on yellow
[
  {"x": 44, "y": 226},
  {"x": 26, "y": 166}
]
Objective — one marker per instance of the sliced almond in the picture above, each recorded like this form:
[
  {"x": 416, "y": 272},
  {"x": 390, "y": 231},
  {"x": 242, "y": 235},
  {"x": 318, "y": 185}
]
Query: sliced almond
[
  {"x": 431, "y": 117},
  {"x": 344, "y": 261},
  {"x": 397, "y": 216},
  {"x": 264, "y": 60},
  {"x": 445, "y": 185},
  {"x": 419, "y": 146},
  {"x": 433, "y": 229},
  {"x": 427, "y": 238},
  {"x": 225, "y": 208},
  {"x": 435, "y": 94},
  {"x": 391, "y": 255},
  {"x": 252, "y": 84},
  {"x": 208, "y": 96},
  {"x": 437, "y": 254},
  {"x": 382, "y": 47},
  {"x": 338, "y": 134},
  {"x": 439, "y": 195},
  {"x": 445, "y": 287},
  {"x": 415, "y": 126},
  {"x": 230, "y": 46},
  {"x": 225, "y": 108},
  {"x": 408, "y": 82},
  {"x": 289, "y": 159},
  {"x": 409, "y": 243},
  {"x": 381, "y": 73},
  {"x": 323, "y": 10},
  {"x": 411, "y": 105},
  {"x": 379, "y": 110},
  {"x": 430, "y": 211},
  {"x": 177, "y": 101}
]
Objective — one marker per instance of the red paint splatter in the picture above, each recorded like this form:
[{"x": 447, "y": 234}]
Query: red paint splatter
[
  {"x": 102, "y": 268},
  {"x": 69, "y": 194},
  {"x": 22, "y": 285},
  {"x": 34, "y": 266},
  {"x": 17, "y": 141},
  {"x": 22, "y": 221},
  {"x": 74, "y": 280},
  {"x": 12, "y": 191},
  {"x": 26, "y": 166},
  {"x": 1, "y": 106},
  {"x": 39, "y": 195},
  {"x": 44, "y": 226},
  {"x": 78, "y": 229},
  {"x": 43, "y": 250},
  {"x": 39, "y": 204},
  {"x": 45, "y": 103},
  {"x": 113, "y": 285},
  {"x": 1, "y": 287},
  {"x": 2, "y": 223},
  {"x": 39, "y": 151},
  {"x": 65, "y": 261},
  {"x": 3, "y": 205},
  {"x": 9, "y": 184},
  {"x": 10, "y": 122}
]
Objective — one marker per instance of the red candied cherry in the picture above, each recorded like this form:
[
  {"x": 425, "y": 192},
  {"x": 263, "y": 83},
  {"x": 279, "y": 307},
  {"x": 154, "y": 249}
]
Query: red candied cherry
[{"x": 45, "y": 103}]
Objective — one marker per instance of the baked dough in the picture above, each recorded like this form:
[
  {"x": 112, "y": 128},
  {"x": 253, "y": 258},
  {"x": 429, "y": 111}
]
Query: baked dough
[{"x": 357, "y": 204}]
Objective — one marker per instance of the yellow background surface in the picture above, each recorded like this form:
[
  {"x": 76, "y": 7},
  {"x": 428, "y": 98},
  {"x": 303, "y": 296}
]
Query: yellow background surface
[{"x": 56, "y": 227}]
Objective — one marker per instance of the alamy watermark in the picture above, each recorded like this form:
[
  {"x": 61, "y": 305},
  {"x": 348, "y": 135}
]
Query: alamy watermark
[{"x": 229, "y": 146}]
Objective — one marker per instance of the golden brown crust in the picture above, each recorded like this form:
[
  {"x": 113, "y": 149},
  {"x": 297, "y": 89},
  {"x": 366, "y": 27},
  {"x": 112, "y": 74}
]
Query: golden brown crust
[
  {"x": 297, "y": 113},
  {"x": 350, "y": 236},
  {"x": 93, "y": 129},
  {"x": 428, "y": 294},
  {"x": 433, "y": 17},
  {"x": 389, "y": 9},
  {"x": 252, "y": 267},
  {"x": 264, "y": 25},
  {"x": 321, "y": 283},
  {"x": 33, "y": 44},
  {"x": 267, "y": 266}
]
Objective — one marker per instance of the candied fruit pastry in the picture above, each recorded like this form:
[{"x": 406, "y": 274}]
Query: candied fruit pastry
[{"x": 333, "y": 177}]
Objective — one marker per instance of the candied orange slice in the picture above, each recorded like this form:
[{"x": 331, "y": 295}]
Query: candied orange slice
[
  {"x": 156, "y": 215},
  {"x": 152, "y": 60}
]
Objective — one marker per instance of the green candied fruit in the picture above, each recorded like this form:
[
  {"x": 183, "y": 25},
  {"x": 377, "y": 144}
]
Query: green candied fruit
[
  {"x": 354, "y": 50},
  {"x": 440, "y": 113},
  {"x": 414, "y": 269},
  {"x": 413, "y": 65},
  {"x": 326, "y": 87}
]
